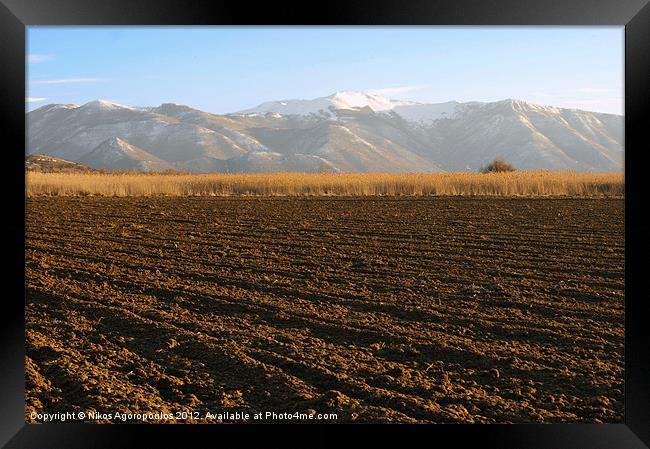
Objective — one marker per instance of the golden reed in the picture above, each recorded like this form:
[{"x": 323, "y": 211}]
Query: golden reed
[{"x": 525, "y": 183}]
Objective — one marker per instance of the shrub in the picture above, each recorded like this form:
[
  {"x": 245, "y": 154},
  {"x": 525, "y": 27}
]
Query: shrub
[{"x": 496, "y": 166}]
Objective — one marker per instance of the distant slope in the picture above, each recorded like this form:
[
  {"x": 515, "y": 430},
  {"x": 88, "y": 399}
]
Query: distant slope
[
  {"x": 528, "y": 136},
  {"x": 72, "y": 132},
  {"x": 325, "y": 105},
  {"x": 48, "y": 164},
  {"x": 116, "y": 154},
  {"x": 344, "y": 132}
]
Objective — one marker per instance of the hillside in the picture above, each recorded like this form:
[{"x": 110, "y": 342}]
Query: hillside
[
  {"x": 344, "y": 132},
  {"x": 48, "y": 164}
]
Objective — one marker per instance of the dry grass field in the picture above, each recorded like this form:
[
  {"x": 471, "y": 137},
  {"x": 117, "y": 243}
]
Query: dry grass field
[
  {"x": 378, "y": 309},
  {"x": 536, "y": 183}
]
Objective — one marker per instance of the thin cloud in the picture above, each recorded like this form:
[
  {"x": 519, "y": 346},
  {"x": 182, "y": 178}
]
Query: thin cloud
[
  {"x": 34, "y": 100},
  {"x": 69, "y": 80},
  {"x": 34, "y": 58},
  {"x": 388, "y": 91}
]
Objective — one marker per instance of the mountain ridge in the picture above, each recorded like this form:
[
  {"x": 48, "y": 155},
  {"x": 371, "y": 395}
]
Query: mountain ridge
[
  {"x": 115, "y": 153},
  {"x": 355, "y": 132}
]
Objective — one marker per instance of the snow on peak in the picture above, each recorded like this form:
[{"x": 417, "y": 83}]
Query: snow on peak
[
  {"x": 103, "y": 105},
  {"x": 62, "y": 106},
  {"x": 349, "y": 99},
  {"x": 116, "y": 147},
  {"x": 117, "y": 153},
  {"x": 346, "y": 99},
  {"x": 425, "y": 114},
  {"x": 513, "y": 103},
  {"x": 115, "y": 141},
  {"x": 55, "y": 107}
]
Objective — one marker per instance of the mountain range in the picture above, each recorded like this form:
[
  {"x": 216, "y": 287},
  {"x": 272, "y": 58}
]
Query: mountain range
[{"x": 344, "y": 132}]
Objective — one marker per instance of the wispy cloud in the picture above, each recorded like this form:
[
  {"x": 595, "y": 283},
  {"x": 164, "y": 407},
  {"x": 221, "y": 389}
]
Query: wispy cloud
[
  {"x": 69, "y": 80},
  {"x": 34, "y": 58},
  {"x": 388, "y": 91},
  {"x": 34, "y": 100}
]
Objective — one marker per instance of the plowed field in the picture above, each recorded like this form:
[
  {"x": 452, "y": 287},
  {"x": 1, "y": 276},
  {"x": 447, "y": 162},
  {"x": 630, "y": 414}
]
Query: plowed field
[{"x": 475, "y": 310}]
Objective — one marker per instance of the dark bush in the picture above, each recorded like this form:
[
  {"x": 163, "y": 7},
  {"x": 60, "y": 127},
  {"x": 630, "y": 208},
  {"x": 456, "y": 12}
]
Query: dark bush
[{"x": 496, "y": 166}]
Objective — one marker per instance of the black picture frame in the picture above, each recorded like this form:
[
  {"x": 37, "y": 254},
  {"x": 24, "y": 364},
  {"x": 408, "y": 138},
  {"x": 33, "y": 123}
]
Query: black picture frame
[{"x": 15, "y": 15}]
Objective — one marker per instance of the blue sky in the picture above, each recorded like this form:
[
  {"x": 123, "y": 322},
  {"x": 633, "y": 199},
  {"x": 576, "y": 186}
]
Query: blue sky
[{"x": 226, "y": 69}]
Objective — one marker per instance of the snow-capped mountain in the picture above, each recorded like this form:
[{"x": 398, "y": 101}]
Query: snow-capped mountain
[
  {"x": 345, "y": 100},
  {"x": 426, "y": 114},
  {"x": 73, "y": 132},
  {"x": 344, "y": 132}
]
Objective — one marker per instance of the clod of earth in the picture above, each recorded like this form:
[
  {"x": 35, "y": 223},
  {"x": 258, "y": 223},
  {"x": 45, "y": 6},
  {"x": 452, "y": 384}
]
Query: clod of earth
[{"x": 209, "y": 303}]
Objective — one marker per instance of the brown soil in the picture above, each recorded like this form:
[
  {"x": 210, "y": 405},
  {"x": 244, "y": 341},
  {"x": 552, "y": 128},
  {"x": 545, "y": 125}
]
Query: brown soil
[{"x": 435, "y": 310}]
